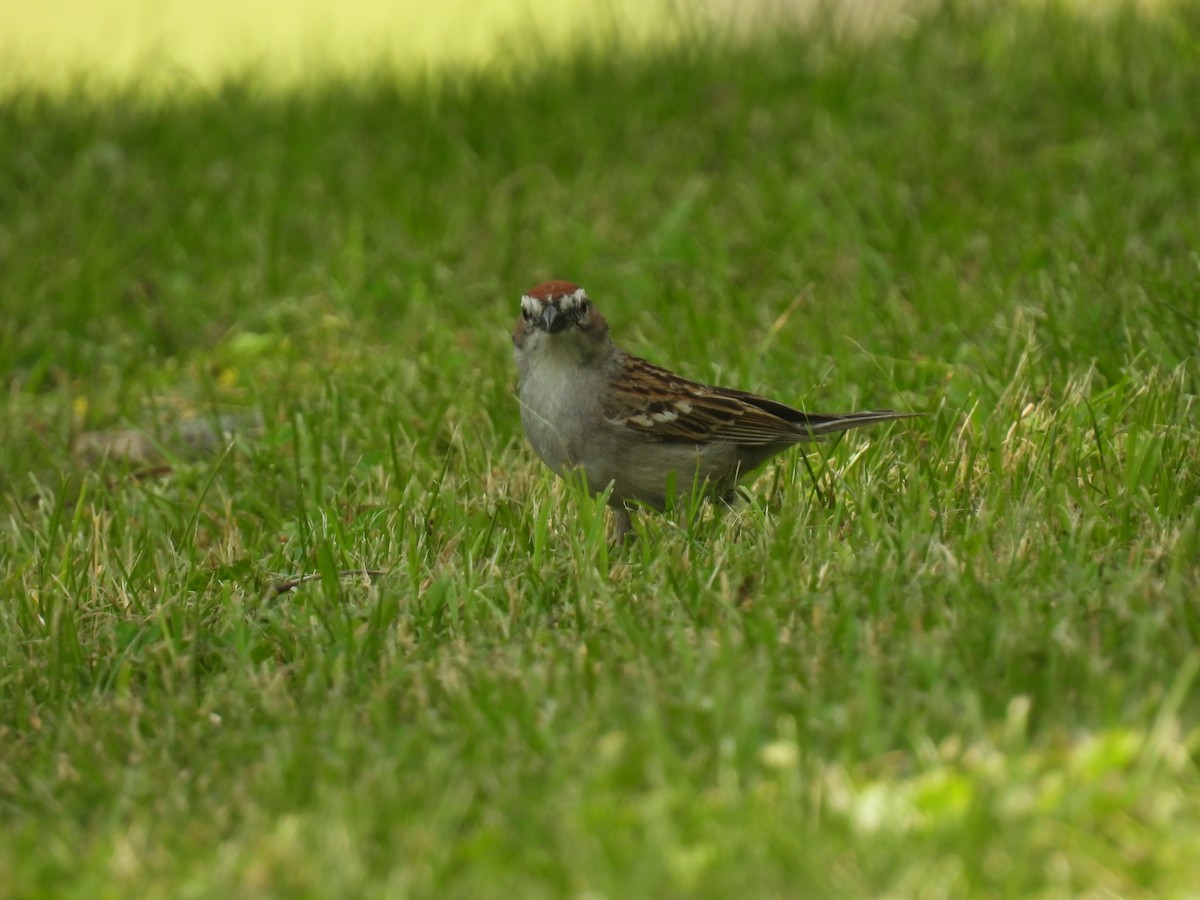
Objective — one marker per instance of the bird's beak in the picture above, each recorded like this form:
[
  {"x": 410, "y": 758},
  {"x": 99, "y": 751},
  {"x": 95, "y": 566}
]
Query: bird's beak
[{"x": 550, "y": 315}]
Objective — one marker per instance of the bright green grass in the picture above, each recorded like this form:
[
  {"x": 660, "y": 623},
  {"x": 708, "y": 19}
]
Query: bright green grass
[{"x": 963, "y": 661}]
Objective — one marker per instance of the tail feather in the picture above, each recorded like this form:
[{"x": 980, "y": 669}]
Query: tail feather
[{"x": 817, "y": 425}]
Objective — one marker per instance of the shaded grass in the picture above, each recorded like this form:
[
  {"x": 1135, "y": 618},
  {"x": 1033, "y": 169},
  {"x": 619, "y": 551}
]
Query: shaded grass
[{"x": 961, "y": 659}]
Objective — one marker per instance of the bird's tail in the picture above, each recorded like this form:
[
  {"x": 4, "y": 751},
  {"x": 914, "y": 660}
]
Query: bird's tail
[{"x": 818, "y": 425}]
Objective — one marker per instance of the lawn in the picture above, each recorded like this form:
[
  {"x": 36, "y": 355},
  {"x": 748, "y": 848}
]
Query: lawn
[
  {"x": 168, "y": 43},
  {"x": 289, "y": 608}
]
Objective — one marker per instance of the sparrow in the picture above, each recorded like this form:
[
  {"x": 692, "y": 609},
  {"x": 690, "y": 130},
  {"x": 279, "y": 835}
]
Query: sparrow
[{"x": 588, "y": 406}]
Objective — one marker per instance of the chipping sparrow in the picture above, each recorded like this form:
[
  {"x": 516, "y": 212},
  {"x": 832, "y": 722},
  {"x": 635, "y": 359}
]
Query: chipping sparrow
[{"x": 588, "y": 405}]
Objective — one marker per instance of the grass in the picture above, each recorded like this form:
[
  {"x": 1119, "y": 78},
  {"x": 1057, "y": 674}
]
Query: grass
[
  {"x": 958, "y": 658},
  {"x": 164, "y": 46}
]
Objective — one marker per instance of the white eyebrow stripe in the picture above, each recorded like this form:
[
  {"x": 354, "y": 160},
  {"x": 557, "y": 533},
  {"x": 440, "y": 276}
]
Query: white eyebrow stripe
[
  {"x": 570, "y": 301},
  {"x": 531, "y": 305}
]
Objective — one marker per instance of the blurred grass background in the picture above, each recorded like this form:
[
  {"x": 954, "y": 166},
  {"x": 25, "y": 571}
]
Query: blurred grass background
[
  {"x": 173, "y": 42},
  {"x": 953, "y": 658},
  {"x": 124, "y": 39}
]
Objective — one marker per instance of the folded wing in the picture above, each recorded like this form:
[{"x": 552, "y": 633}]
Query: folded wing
[{"x": 680, "y": 410}]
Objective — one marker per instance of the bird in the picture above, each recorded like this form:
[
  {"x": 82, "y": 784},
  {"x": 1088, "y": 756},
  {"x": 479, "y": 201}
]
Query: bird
[{"x": 588, "y": 406}]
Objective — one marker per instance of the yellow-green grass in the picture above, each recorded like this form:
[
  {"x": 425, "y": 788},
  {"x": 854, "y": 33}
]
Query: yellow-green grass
[
  {"x": 172, "y": 43},
  {"x": 169, "y": 44},
  {"x": 953, "y": 657}
]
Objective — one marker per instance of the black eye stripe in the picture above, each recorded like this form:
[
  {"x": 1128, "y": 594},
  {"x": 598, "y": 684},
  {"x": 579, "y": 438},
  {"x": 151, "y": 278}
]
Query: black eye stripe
[{"x": 569, "y": 310}]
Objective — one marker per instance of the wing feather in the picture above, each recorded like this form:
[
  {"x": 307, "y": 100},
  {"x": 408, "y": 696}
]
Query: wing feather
[{"x": 663, "y": 406}]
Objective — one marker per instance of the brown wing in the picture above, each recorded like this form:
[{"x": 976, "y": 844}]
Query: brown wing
[{"x": 701, "y": 414}]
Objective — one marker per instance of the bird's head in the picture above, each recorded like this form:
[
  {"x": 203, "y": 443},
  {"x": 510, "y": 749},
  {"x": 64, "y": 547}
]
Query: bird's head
[{"x": 558, "y": 313}]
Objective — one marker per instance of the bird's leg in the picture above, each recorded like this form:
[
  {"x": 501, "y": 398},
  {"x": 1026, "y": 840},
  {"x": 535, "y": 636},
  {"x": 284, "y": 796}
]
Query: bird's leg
[{"x": 624, "y": 520}]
